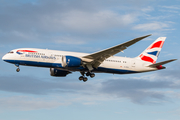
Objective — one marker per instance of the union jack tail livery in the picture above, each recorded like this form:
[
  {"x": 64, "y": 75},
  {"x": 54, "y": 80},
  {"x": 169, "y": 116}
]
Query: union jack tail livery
[{"x": 152, "y": 52}]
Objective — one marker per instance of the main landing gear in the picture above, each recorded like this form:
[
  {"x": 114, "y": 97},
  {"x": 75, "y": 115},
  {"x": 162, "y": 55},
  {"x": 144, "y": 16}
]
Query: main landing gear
[
  {"x": 17, "y": 65},
  {"x": 87, "y": 74}
]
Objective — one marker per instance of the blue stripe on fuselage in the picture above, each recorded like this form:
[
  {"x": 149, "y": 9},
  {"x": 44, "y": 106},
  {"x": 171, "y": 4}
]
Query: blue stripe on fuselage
[
  {"x": 33, "y": 63},
  {"x": 58, "y": 65},
  {"x": 115, "y": 71}
]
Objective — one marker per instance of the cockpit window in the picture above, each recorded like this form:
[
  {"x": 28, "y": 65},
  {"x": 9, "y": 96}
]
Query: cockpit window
[{"x": 11, "y": 52}]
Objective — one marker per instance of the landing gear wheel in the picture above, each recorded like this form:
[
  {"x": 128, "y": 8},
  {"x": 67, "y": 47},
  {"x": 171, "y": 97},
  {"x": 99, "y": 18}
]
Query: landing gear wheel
[
  {"x": 92, "y": 75},
  {"x": 17, "y": 70},
  {"x": 81, "y": 78},
  {"x": 88, "y": 74},
  {"x": 85, "y": 79}
]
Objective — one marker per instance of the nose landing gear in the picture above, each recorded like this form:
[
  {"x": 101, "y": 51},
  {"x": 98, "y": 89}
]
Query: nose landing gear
[
  {"x": 17, "y": 70},
  {"x": 17, "y": 65}
]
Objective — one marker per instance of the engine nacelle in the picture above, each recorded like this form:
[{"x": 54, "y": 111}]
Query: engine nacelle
[
  {"x": 58, "y": 73},
  {"x": 70, "y": 61}
]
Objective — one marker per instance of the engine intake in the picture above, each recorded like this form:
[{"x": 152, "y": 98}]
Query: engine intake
[{"x": 70, "y": 61}]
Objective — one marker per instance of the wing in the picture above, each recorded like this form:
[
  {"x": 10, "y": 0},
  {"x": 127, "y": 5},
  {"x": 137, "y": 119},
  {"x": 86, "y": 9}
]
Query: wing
[{"x": 95, "y": 59}]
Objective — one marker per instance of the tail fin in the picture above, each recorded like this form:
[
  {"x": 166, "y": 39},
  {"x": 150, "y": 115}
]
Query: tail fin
[{"x": 152, "y": 52}]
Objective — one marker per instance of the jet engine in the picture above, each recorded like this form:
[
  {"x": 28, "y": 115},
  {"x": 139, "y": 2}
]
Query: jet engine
[
  {"x": 58, "y": 73},
  {"x": 70, "y": 61}
]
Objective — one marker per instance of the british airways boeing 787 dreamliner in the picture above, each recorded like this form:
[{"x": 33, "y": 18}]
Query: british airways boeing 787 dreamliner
[{"x": 61, "y": 63}]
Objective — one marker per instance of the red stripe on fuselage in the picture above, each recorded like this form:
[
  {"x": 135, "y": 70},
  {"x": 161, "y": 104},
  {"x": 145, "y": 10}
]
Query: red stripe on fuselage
[
  {"x": 158, "y": 44},
  {"x": 26, "y": 51}
]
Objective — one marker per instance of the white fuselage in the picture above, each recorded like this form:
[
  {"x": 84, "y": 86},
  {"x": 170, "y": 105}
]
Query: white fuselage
[{"x": 53, "y": 59}]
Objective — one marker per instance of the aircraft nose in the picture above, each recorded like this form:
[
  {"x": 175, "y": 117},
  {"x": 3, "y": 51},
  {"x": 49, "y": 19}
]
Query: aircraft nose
[{"x": 4, "y": 57}]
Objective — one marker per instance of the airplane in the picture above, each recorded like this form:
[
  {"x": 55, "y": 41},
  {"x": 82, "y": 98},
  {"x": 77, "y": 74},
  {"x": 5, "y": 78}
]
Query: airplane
[{"x": 62, "y": 63}]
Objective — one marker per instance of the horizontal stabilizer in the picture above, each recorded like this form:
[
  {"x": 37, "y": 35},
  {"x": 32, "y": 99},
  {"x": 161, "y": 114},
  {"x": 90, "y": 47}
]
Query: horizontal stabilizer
[{"x": 161, "y": 63}]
